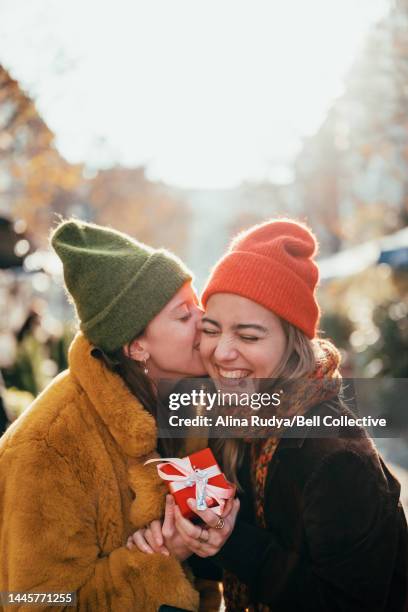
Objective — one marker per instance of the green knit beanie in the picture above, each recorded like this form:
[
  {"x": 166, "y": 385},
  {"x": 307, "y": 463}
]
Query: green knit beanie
[{"x": 118, "y": 285}]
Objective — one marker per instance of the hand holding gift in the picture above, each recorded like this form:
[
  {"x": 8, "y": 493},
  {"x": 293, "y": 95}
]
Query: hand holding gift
[
  {"x": 180, "y": 537},
  {"x": 161, "y": 538},
  {"x": 196, "y": 482},
  {"x": 208, "y": 539}
]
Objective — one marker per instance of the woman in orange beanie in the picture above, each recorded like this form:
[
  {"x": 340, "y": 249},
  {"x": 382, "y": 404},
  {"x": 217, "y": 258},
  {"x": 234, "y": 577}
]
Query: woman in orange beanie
[{"x": 320, "y": 526}]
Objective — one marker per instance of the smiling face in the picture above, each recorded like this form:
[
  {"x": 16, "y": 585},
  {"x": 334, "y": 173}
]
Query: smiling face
[
  {"x": 240, "y": 339},
  {"x": 171, "y": 340}
]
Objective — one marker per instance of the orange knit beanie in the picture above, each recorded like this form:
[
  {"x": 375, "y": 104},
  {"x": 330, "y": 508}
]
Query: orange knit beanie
[{"x": 272, "y": 264}]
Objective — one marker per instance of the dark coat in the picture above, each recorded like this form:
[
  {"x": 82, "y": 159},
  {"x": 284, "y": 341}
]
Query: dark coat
[{"x": 336, "y": 537}]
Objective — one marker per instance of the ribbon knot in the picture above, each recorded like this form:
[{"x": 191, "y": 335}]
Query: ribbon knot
[{"x": 190, "y": 476}]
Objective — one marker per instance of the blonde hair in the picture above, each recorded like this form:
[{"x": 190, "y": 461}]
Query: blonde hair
[{"x": 299, "y": 360}]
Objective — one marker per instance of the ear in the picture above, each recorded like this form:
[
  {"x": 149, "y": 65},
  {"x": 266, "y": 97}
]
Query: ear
[{"x": 136, "y": 351}]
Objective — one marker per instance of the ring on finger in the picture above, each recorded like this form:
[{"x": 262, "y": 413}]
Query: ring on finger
[
  {"x": 200, "y": 537},
  {"x": 220, "y": 524}
]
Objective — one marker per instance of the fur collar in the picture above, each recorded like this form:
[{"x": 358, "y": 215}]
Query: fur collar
[{"x": 133, "y": 428}]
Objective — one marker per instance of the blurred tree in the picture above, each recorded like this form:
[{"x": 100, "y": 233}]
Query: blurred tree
[
  {"x": 319, "y": 172},
  {"x": 390, "y": 352},
  {"x": 59, "y": 347},
  {"x": 125, "y": 199},
  {"x": 26, "y": 372},
  {"x": 352, "y": 175},
  {"x": 16, "y": 110},
  {"x": 338, "y": 328},
  {"x": 34, "y": 178},
  {"x": 256, "y": 202}
]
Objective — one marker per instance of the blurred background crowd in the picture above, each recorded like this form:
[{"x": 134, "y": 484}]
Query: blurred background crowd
[{"x": 347, "y": 178}]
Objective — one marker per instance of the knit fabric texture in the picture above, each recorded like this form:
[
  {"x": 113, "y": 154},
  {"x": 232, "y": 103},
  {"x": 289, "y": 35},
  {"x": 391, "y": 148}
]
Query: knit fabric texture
[
  {"x": 118, "y": 285},
  {"x": 272, "y": 264}
]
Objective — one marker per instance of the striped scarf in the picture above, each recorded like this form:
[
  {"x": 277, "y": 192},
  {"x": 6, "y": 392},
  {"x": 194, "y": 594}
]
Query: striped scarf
[{"x": 323, "y": 384}]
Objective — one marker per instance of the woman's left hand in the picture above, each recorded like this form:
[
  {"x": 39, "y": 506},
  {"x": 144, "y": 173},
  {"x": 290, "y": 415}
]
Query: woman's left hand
[{"x": 206, "y": 541}]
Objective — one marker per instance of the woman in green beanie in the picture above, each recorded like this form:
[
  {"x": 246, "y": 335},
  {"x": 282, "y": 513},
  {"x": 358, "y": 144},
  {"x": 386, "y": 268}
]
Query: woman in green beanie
[{"x": 73, "y": 484}]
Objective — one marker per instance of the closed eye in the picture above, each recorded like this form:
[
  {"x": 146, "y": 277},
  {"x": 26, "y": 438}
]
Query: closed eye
[{"x": 209, "y": 332}]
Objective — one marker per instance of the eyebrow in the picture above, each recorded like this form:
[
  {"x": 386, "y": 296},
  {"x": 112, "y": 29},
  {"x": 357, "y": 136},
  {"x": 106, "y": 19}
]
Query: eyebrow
[
  {"x": 240, "y": 326},
  {"x": 251, "y": 325},
  {"x": 207, "y": 320}
]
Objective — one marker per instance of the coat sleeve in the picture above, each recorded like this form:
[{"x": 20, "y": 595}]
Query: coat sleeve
[
  {"x": 351, "y": 529},
  {"x": 49, "y": 542}
]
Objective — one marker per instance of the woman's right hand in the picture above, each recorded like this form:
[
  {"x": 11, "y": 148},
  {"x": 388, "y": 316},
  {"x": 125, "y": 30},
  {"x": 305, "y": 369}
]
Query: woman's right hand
[{"x": 158, "y": 538}]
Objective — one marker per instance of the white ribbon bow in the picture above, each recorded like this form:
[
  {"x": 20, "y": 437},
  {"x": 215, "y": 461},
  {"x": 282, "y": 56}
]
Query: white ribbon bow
[{"x": 198, "y": 477}]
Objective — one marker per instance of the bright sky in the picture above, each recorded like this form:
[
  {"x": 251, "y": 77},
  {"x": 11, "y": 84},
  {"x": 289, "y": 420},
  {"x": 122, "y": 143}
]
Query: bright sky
[{"x": 206, "y": 94}]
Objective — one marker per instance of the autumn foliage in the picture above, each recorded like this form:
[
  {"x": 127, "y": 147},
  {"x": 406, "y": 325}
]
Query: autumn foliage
[{"x": 37, "y": 184}]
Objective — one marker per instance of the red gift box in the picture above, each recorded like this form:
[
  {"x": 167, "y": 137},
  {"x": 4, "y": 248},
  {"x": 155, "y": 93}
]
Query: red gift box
[{"x": 183, "y": 487}]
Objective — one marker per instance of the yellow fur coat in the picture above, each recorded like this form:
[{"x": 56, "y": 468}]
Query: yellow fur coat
[{"x": 73, "y": 487}]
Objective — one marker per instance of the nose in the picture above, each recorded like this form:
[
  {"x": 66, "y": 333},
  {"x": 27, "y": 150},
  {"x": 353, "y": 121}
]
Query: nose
[{"x": 225, "y": 350}]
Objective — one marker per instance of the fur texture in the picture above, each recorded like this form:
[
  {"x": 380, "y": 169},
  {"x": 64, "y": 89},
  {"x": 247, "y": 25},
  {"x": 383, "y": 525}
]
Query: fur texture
[{"x": 73, "y": 487}]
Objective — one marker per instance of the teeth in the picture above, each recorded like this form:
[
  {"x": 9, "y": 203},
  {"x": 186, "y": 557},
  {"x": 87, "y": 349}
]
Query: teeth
[{"x": 233, "y": 373}]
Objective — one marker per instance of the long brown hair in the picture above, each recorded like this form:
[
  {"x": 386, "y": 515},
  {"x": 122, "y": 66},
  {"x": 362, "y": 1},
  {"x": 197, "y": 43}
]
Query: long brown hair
[
  {"x": 143, "y": 388},
  {"x": 299, "y": 360}
]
